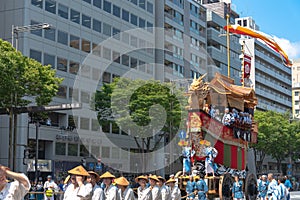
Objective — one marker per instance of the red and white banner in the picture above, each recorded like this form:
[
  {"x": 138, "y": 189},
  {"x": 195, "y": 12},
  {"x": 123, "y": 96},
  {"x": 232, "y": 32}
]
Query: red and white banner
[{"x": 247, "y": 66}]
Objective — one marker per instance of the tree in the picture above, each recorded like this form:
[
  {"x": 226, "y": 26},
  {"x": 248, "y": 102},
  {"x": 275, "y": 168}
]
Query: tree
[
  {"x": 142, "y": 109},
  {"x": 24, "y": 81},
  {"x": 277, "y": 137}
]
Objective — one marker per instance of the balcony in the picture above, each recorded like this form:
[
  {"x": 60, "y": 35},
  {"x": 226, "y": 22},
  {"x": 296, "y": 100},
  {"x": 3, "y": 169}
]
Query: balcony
[
  {"x": 265, "y": 81},
  {"x": 178, "y": 3}
]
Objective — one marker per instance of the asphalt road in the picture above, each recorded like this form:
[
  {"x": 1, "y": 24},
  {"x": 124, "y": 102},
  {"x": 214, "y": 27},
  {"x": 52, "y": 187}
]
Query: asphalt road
[{"x": 295, "y": 195}]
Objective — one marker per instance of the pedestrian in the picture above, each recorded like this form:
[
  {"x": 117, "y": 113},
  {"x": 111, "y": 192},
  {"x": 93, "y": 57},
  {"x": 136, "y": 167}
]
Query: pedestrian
[
  {"x": 49, "y": 187},
  {"x": 15, "y": 190},
  {"x": 201, "y": 188},
  {"x": 164, "y": 190},
  {"x": 190, "y": 188},
  {"x": 97, "y": 192},
  {"x": 263, "y": 187},
  {"x": 281, "y": 192},
  {"x": 271, "y": 187},
  {"x": 124, "y": 191},
  {"x": 78, "y": 189},
  {"x": 110, "y": 191},
  {"x": 144, "y": 192},
  {"x": 288, "y": 185},
  {"x": 237, "y": 188},
  {"x": 174, "y": 190},
  {"x": 156, "y": 194}
]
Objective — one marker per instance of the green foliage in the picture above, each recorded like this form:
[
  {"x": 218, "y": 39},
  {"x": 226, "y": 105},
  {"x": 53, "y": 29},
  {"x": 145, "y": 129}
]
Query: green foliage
[
  {"x": 278, "y": 136},
  {"x": 24, "y": 77},
  {"x": 135, "y": 104}
]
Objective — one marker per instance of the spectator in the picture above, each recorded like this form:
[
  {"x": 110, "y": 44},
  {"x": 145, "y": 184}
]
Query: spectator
[
  {"x": 288, "y": 185},
  {"x": 226, "y": 118}
]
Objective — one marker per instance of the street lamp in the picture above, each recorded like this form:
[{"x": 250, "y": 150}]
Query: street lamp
[
  {"x": 15, "y": 31},
  {"x": 21, "y": 29}
]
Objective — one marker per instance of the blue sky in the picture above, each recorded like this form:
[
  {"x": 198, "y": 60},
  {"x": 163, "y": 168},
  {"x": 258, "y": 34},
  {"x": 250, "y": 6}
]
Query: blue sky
[{"x": 275, "y": 17}]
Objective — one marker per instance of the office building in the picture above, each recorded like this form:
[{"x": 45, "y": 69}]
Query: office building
[{"x": 296, "y": 88}]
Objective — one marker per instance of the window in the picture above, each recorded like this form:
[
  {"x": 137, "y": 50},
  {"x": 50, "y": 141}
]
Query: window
[
  {"x": 62, "y": 64},
  {"x": 95, "y": 151},
  {"x": 106, "y": 79},
  {"x": 97, "y": 3},
  {"x": 296, "y": 93},
  {"x": 85, "y": 72},
  {"x": 88, "y": 1},
  {"x": 133, "y": 62},
  {"x": 115, "y": 153},
  {"x": 96, "y": 50},
  {"x": 37, "y": 55},
  {"x": 116, "y": 57},
  {"x": 36, "y": 32},
  {"x": 75, "y": 16},
  {"x": 60, "y": 148},
  {"x": 95, "y": 126},
  {"x": 63, "y": 11},
  {"x": 125, "y": 60},
  {"x": 133, "y": 41},
  {"x": 106, "y": 29},
  {"x": 150, "y": 7},
  {"x": 297, "y": 112},
  {"x": 74, "y": 41},
  {"x": 37, "y": 3},
  {"x": 142, "y": 23},
  {"x": 125, "y": 15},
  {"x": 142, "y": 4},
  {"x": 134, "y": 1},
  {"x": 62, "y": 37},
  {"x": 72, "y": 149},
  {"x": 296, "y": 103},
  {"x": 96, "y": 25},
  {"x": 84, "y": 122},
  {"x": 150, "y": 27},
  {"x": 106, "y": 53},
  {"x": 50, "y": 34},
  {"x": 96, "y": 74},
  {"x": 62, "y": 92},
  {"x": 85, "y": 45},
  {"x": 49, "y": 60},
  {"x": 116, "y": 33},
  {"x": 133, "y": 19},
  {"x": 107, "y": 6},
  {"x": 125, "y": 37},
  {"x": 73, "y": 67},
  {"x": 142, "y": 66},
  {"x": 83, "y": 151},
  {"x": 86, "y": 21},
  {"x": 105, "y": 152},
  {"x": 116, "y": 11},
  {"x": 50, "y": 6}
]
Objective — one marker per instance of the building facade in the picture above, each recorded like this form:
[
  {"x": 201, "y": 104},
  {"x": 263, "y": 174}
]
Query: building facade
[
  {"x": 90, "y": 42},
  {"x": 296, "y": 89}
]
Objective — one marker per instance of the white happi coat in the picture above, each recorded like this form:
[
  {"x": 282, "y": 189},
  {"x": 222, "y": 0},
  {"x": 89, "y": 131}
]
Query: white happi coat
[
  {"x": 111, "y": 193},
  {"x": 14, "y": 190},
  {"x": 126, "y": 195},
  {"x": 144, "y": 194},
  {"x": 98, "y": 193},
  {"x": 83, "y": 192},
  {"x": 175, "y": 193}
]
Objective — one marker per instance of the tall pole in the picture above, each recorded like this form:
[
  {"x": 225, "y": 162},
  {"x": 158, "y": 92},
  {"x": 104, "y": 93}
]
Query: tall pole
[
  {"x": 228, "y": 46},
  {"x": 36, "y": 149}
]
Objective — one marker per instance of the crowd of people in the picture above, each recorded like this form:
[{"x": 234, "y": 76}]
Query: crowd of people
[
  {"x": 270, "y": 188},
  {"x": 229, "y": 118}
]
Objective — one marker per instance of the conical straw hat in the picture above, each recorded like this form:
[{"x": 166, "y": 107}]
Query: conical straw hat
[
  {"x": 121, "y": 181},
  {"x": 107, "y": 175},
  {"x": 79, "y": 170},
  {"x": 141, "y": 177}
]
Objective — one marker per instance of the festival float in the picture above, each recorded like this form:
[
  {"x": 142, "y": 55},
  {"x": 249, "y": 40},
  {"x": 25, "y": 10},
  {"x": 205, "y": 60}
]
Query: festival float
[{"x": 207, "y": 139}]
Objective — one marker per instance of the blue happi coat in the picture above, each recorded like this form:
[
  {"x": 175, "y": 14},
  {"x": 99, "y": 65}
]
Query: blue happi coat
[
  {"x": 190, "y": 188},
  {"x": 237, "y": 190},
  {"x": 202, "y": 189}
]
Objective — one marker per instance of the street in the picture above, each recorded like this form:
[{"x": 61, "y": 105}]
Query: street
[{"x": 295, "y": 195}]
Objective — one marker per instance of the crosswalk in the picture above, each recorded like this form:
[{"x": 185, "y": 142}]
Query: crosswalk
[{"x": 295, "y": 195}]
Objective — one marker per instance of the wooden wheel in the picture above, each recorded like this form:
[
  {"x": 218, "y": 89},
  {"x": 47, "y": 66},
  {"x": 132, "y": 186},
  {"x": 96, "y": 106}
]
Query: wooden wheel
[
  {"x": 250, "y": 187},
  {"x": 226, "y": 182}
]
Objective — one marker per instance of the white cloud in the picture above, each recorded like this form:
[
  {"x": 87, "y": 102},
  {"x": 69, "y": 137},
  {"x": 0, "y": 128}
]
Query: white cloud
[{"x": 292, "y": 49}]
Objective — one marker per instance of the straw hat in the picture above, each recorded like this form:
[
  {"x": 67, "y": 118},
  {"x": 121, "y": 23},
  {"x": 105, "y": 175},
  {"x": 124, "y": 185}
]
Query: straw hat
[
  {"x": 171, "y": 180},
  {"x": 141, "y": 177},
  {"x": 95, "y": 174},
  {"x": 161, "y": 178},
  {"x": 107, "y": 175},
  {"x": 121, "y": 181},
  {"x": 154, "y": 177},
  {"x": 79, "y": 170}
]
